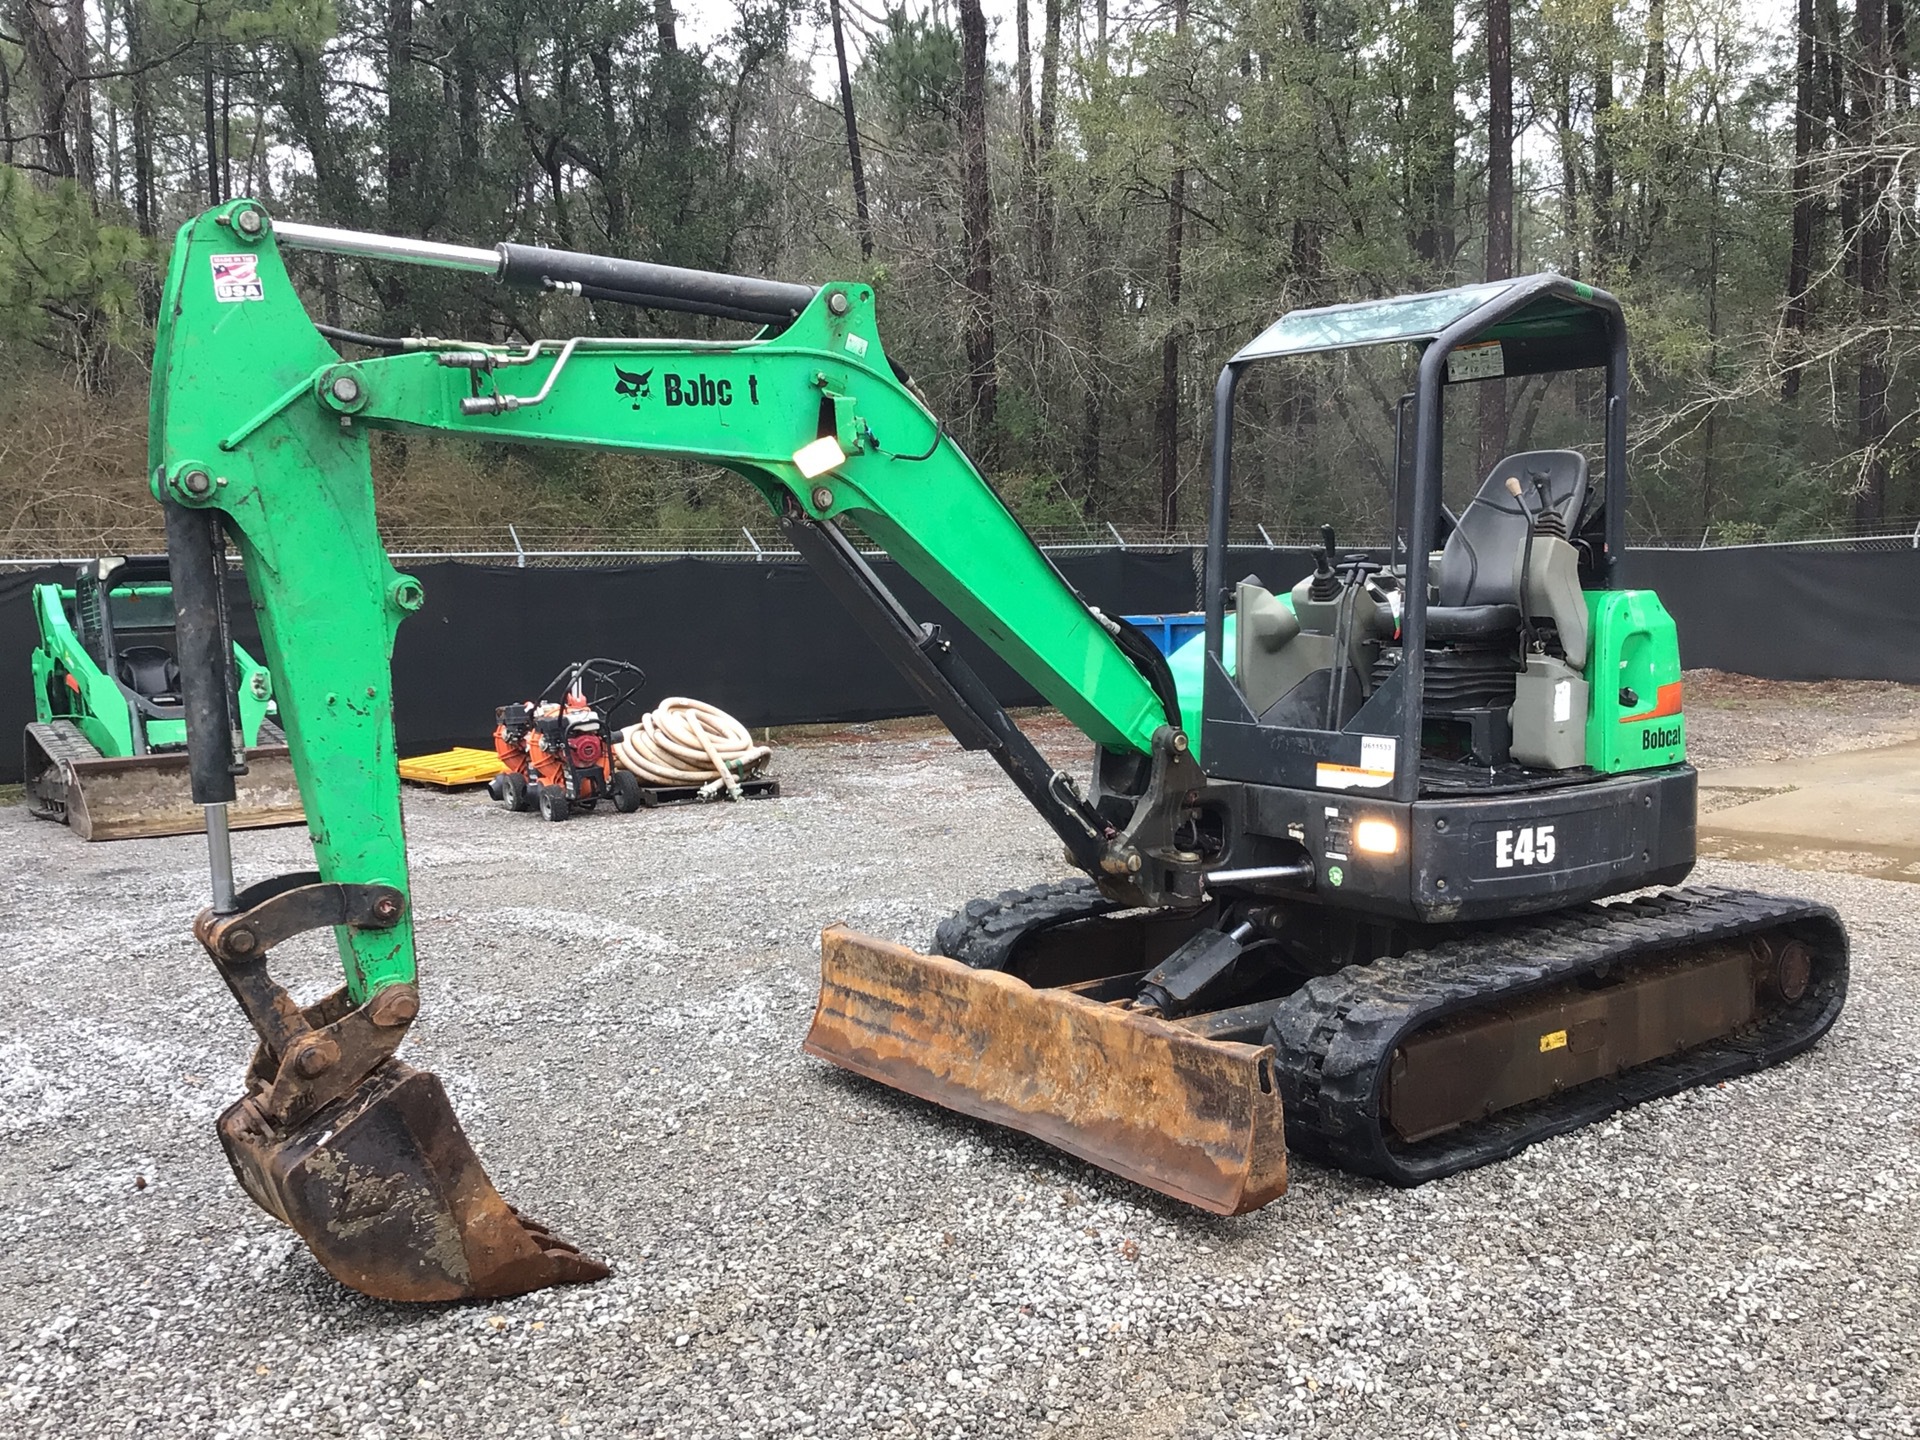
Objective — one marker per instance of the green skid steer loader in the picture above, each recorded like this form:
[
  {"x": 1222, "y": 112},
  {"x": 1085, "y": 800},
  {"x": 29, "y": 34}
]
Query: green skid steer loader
[{"x": 106, "y": 751}]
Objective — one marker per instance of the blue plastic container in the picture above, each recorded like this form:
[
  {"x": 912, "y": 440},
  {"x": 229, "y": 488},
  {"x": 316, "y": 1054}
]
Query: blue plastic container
[{"x": 1170, "y": 632}]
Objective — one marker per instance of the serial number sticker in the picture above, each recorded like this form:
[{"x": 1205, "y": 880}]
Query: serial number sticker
[
  {"x": 1553, "y": 1040},
  {"x": 1374, "y": 770},
  {"x": 1562, "y": 702},
  {"x": 857, "y": 344},
  {"x": 1486, "y": 361},
  {"x": 237, "y": 277}
]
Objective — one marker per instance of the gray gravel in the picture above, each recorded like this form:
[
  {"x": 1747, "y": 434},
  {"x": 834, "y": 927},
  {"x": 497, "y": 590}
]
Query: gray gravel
[{"x": 616, "y": 1006}]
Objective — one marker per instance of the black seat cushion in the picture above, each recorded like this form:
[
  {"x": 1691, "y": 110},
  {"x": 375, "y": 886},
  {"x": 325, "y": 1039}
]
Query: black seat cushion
[
  {"x": 1470, "y": 622},
  {"x": 149, "y": 671},
  {"x": 1481, "y": 564}
]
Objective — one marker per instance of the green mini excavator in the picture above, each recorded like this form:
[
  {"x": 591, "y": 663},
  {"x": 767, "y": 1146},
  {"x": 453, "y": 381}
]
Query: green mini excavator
[{"x": 1339, "y": 860}]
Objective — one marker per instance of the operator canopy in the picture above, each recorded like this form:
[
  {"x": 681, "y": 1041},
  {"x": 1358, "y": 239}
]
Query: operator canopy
[{"x": 1543, "y": 323}]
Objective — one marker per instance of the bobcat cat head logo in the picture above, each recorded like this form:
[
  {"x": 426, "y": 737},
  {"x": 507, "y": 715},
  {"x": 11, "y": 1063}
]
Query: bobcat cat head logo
[{"x": 638, "y": 387}]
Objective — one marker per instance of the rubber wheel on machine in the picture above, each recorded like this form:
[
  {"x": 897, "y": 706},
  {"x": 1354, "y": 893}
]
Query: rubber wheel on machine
[
  {"x": 509, "y": 790},
  {"x": 553, "y": 802},
  {"x": 626, "y": 791}
]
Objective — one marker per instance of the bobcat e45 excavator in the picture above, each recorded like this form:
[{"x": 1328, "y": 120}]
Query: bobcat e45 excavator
[{"x": 1340, "y": 861}]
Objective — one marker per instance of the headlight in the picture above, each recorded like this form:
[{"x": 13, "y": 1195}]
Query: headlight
[{"x": 1376, "y": 837}]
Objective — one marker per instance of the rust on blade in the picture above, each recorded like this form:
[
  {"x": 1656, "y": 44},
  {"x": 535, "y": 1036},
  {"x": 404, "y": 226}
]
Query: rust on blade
[
  {"x": 140, "y": 796},
  {"x": 1196, "y": 1119}
]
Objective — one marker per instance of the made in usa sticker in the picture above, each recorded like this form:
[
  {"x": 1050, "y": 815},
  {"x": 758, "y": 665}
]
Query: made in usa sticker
[{"x": 237, "y": 277}]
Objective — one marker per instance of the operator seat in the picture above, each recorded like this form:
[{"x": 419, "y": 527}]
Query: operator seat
[
  {"x": 151, "y": 673},
  {"x": 1479, "y": 578}
]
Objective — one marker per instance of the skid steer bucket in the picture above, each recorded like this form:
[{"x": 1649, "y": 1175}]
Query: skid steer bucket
[
  {"x": 102, "y": 797},
  {"x": 1193, "y": 1118}
]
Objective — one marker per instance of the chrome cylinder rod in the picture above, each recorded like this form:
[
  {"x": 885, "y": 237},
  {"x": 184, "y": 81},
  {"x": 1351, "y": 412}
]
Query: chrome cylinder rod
[
  {"x": 220, "y": 859},
  {"x": 367, "y": 246},
  {"x": 1298, "y": 873}
]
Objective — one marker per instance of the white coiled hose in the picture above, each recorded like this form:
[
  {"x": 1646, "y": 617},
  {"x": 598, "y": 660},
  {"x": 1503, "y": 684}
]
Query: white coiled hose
[{"x": 689, "y": 742}]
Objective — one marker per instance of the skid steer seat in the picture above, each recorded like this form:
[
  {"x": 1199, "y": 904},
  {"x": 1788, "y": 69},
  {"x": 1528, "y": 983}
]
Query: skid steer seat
[
  {"x": 150, "y": 672},
  {"x": 1481, "y": 564}
]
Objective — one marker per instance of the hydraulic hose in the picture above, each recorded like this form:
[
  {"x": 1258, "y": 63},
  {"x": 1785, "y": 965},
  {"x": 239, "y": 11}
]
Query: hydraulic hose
[{"x": 689, "y": 742}]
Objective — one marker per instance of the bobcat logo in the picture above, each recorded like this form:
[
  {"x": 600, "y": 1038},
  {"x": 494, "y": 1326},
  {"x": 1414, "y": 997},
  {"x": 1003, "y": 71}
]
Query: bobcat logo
[{"x": 638, "y": 387}]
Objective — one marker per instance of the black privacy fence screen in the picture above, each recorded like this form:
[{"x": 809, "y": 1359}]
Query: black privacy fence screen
[{"x": 766, "y": 641}]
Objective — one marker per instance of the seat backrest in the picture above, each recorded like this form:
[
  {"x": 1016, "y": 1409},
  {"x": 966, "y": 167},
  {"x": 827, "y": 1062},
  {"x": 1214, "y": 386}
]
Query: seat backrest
[
  {"x": 148, "y": 670},
  {"x": 1481, "y": 564}
]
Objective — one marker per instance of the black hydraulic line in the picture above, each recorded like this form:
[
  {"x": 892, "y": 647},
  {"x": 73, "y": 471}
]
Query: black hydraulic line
[
  {"x": 947, "y": 683},
  {"x": 201, "y": 645},
  {"x": 356, "y": 337},
  {"x": 641, "y": 301},
  {"x": 534, "y": 267}
]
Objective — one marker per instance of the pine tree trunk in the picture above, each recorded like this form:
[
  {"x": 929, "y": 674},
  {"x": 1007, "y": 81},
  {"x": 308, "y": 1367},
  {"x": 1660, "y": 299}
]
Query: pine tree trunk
[
  {"x": 1493, "y": 393},
  {"x": 1604, "y": 243},
  {"x": 976, "y": 215},
  {"x": 1043, "y": 220},
  {"x": 79, "y": 103},
  {"x": 862, "y": 216},
  {"x": 43, "y": 41},
  {"x": 210, "y": 124},
  {"x": 1435, "y": 126},
  {"x": 1800, "y": 256},
  {"x": 1872, "y": 241},
  {"x": 141, "y": 118},
  {"x": 1167, "y": 411}
]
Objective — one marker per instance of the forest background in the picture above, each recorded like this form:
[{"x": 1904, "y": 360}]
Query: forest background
[{"x": 1072, "y": 212}]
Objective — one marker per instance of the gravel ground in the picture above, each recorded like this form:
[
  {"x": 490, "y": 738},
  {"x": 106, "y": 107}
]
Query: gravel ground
[{"x": 616, "y": 1006}]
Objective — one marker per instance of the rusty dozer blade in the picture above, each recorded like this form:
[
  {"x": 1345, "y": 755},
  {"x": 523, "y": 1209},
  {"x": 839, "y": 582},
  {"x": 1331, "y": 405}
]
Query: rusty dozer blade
[
  {"x": 359, "y": 1153},
  {"x": 1193, "y": 1118}
]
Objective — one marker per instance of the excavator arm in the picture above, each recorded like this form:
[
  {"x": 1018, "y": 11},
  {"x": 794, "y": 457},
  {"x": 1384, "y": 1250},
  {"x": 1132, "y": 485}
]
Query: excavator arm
[{"x": 259, "y": 434}]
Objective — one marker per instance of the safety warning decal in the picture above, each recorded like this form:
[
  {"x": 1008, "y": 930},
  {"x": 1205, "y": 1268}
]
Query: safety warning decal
[
  {"x": 1377, "y": 753},
  {"x": 237, "y": 277}
]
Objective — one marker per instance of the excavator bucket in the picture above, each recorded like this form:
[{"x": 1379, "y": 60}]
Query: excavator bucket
[
  {"x": 1153, "y": 1101},
  {"x": 388, "y": 1194},
  {"x": 103, "y": 797}
]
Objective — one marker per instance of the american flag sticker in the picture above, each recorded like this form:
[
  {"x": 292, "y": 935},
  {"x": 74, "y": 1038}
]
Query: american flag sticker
[{"x": 237, "y": 277}]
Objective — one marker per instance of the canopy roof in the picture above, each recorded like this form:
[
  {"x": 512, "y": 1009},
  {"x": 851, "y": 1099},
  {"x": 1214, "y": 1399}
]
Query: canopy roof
[{"x": 1568, "y": 323}]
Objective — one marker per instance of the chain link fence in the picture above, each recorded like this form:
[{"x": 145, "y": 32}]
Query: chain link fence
[{"x": 509, "y": 544}]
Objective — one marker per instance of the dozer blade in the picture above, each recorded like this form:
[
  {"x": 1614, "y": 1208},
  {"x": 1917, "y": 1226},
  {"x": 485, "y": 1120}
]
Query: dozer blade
[
  {"x": 1193, "y": 1118},
  {"x": 388, "y": 1194}
]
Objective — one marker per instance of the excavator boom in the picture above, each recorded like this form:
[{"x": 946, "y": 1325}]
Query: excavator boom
[{"x": 259, "y": 437}]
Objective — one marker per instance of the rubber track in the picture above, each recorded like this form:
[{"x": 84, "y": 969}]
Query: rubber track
[
  {"x": 984, "y": 932},
  {"x": 1336, "y": 1036},
  {"x": 62, "y": 742}
]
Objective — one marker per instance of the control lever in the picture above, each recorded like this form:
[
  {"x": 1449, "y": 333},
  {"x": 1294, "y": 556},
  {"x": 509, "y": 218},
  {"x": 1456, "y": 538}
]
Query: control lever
[{"x": 1326, "y": 584}]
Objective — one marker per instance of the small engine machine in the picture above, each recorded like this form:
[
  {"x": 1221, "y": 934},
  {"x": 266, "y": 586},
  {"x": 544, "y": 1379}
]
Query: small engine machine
[{"x": 557, "y": 750}]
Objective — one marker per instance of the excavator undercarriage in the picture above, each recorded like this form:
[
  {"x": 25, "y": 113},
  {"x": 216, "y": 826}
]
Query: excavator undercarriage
[{"x": 1454, "y": 1053}]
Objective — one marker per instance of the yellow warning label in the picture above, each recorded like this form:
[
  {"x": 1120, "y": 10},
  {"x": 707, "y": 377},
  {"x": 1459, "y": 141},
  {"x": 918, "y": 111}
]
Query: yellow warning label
[{"x": 1553, "y": 1040}]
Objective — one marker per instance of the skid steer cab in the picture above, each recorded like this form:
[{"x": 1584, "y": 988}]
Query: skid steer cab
[{"x": 557, "y": 750}]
